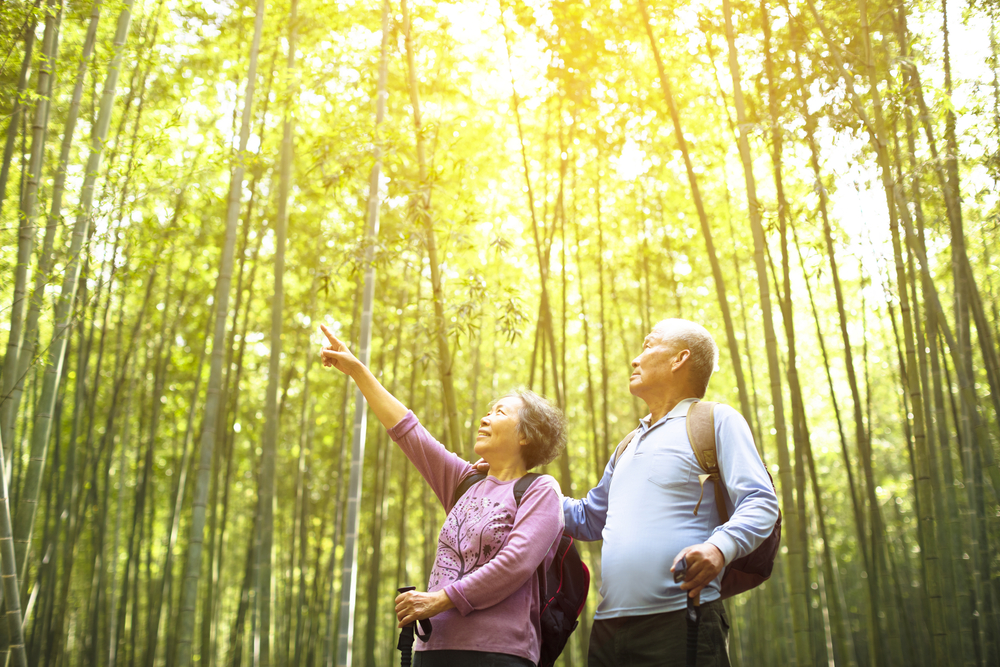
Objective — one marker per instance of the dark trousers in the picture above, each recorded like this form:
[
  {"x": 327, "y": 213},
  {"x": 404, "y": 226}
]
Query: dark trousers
[
  {"x": 660, "y": 639},
  {"x": 468, "y": 659}
]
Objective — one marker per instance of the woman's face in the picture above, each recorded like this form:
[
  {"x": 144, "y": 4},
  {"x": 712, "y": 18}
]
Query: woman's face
[{"x": 498, "y": 439}]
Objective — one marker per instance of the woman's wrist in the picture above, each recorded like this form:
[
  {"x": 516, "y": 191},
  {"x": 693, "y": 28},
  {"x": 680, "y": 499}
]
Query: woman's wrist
[
  {"x": 365, "y": 379},
  {"x": 442, "y": 602}
]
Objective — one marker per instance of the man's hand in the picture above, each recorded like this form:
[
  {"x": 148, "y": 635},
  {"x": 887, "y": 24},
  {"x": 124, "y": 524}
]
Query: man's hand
[
  {"x": 704, "y": 563},
  {"x": 337, "y": 355},
  {"x": 413, "y": 606},
  {"x": 482, "y": 466}
]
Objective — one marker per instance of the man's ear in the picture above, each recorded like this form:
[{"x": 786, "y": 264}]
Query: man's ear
[{"x": 681, "y": 357}]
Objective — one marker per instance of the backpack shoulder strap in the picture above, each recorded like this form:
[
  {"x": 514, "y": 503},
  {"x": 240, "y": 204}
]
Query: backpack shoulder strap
[
  {"x": 521, "y": 486},
  {"x": 701, "y": 433},
  {"x": 467, "y": 484},
  {"x": 623, "y": 445}
]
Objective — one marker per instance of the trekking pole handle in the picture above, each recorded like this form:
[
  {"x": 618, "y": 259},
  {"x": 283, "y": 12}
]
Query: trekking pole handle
[
  {"x": 405, "y": 643},
  {"x": 422, "y": 628},
  {"x": 405, "y": 589}
]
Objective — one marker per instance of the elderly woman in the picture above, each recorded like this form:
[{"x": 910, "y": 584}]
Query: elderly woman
[{"x": 483, "y": 590}]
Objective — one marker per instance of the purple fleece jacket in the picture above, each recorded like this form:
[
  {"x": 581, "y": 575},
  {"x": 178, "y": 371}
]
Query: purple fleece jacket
[{"x": 488, "y": 551}]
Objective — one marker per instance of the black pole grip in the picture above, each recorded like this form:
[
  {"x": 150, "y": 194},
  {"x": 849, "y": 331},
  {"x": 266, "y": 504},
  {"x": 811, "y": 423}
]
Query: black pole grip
[
  {"x": 693, "y": 616},
  {"x": 405, "y": 643}
]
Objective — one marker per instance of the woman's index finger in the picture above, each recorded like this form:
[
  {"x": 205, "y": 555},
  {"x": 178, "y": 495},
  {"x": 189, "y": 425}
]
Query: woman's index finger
[{"x": 330, "y": 336}]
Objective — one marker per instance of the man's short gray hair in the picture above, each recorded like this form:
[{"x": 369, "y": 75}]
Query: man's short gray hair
[
  {"x": 542, "y": 425},
  {"x": 704, "y": 352}
]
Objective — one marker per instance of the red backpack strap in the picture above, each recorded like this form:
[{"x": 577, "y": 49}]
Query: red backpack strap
[{"x": 701, "y": 433}]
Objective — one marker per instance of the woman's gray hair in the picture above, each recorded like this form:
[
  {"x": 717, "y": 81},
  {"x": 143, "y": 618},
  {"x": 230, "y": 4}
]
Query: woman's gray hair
[{"x": 541, "y": 424}]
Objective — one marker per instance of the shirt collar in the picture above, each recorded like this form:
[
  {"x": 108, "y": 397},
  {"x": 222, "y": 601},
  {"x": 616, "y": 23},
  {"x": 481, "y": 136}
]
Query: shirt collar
[{"x": 679, "y": 410}]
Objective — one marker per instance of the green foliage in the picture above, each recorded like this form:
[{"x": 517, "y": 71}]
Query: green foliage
[{"x": 620, "y": 242}]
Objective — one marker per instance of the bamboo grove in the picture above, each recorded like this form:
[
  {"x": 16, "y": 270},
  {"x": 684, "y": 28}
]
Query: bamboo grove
[{"x": 482, "y": 196}]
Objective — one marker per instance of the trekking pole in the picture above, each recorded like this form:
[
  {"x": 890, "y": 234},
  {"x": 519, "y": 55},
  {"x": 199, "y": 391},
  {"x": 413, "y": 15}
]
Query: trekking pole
[
  {"x": 405, "y": 643},
  {"x": 692, "y": 614}
]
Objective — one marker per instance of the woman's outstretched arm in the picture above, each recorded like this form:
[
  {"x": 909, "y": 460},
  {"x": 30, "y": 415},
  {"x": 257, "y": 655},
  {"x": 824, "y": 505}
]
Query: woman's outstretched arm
[{"x": 386, "y": 407}]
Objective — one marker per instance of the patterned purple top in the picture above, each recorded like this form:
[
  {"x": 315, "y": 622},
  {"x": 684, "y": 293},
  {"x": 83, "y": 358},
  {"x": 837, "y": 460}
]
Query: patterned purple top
[{"x": 488, "y": 551}]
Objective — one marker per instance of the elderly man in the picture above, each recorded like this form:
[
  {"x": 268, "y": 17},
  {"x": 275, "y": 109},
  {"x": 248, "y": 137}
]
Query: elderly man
[{"x": 644, "y": 510}]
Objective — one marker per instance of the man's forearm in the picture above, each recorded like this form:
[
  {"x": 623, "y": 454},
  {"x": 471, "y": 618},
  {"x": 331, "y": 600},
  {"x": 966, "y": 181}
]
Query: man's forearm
[
  {"x": 582, "y": 522},
  {"x": 585, "y": 517}
]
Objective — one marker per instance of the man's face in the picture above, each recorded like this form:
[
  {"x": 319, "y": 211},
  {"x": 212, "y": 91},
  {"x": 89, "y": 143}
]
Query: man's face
[{"x": 652, "y": 370}]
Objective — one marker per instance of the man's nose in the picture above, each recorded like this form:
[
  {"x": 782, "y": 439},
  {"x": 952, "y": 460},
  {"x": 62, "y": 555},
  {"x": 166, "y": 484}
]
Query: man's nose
[
  {"x": 635, "y": 362},
  {"x": 484, "y": 421}
]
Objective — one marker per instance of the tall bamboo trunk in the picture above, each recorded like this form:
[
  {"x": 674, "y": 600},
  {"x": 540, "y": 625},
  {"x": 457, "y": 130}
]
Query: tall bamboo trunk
[
  {"x": 598, "y": 461},
  {"x": 753, "y": 418},
  {"x": 349, "y": 572},
  {"x": 958, "y": 251},
  {"x": 19, "y": 106},
  {"x": 229, "y": 397},
  {"x": 800, "y": 428},
  {"x": 706, "y": 229},
  {"x": 161, "y": 365},
  {"x": 377, "y": 533},
  {"x": 162, "y": 597},
  {"x": 233, "y": 413},
  {"x": 12, "y": 595},
  {"x": 972, "y": 431},
  {"x": 27, "y": 229},
  {"x": 425, "y": 221},
  {"x": 26, "y": 355},
  {"x": 876, "y": 134},
  {"x": 380, "y": 498},
  {"x": 963, "y": 584},
  {"x": 339, "y": 500},
  {"x": 922, "y": 464},
  {"x": 267, "y": 497},
  {"x": 192, "y": 570},
  {"x": 848, "y": 652},
  {"x": 964, "y": 280},
  {"x": 605, "y": 407},
  {"x": 307, "y": 422},
  {"x": 27, "y": 503},
  {"x": 943, "y": 524},
  {"x": 542, "y": 242},
  {"x": 797, "y": 565}
]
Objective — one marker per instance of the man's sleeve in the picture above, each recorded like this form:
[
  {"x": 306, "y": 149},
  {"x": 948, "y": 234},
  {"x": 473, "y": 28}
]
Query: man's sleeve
[
  {"x": 748, "y": 487},
  {"x": 585, "y": 517}
]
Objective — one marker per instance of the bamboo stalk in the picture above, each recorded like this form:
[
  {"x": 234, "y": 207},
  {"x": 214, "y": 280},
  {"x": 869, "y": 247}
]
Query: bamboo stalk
[
  {"x": 797, "y": 564},
  {"x": 425, "y": 220},
  {"x": 27, "y": 503},
  {"x": 12, "y": 596},
  {"x": 706, "y": 229},
  {"x": 27, "y": 228},
  {"x": 349, "y": 572},
  {"x": 192, "y": 570}
]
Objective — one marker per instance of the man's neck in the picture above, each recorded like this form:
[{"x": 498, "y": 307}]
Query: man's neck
[{"x": 659, "y": 408}]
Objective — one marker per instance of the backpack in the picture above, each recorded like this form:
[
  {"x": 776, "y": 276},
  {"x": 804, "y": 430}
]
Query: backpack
[
  {"x": 748, "y": 571},
  {"x": 563, "y": 587}
]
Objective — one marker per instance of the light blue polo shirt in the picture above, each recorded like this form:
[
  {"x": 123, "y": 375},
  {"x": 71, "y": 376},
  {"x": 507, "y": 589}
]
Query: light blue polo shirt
[{"x": 643, "y": 509}]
